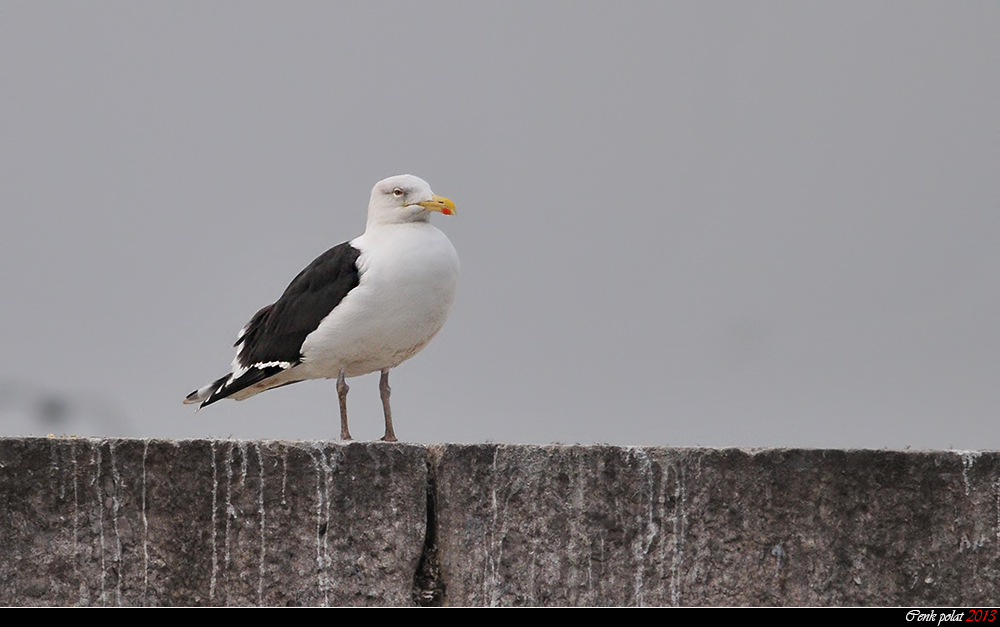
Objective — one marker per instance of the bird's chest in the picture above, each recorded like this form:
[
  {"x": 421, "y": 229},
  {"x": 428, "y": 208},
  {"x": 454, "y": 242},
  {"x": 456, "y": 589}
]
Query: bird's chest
[
  {"x": 414, "y": 286},
  {"x": 406, "y": 288}
]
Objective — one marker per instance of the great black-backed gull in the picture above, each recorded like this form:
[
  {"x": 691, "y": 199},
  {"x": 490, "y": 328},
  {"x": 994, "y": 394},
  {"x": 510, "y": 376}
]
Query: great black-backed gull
[{"x": 364, "y": 306}]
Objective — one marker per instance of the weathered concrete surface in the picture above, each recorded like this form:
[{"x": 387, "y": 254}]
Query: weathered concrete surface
[
  {"x": 130, "y": 522},
  {"x": 520, "y": 525}
]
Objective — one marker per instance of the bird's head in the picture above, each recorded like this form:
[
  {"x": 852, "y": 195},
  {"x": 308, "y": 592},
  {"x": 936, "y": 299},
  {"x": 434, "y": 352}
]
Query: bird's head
[{"x": 405, "y": 198}]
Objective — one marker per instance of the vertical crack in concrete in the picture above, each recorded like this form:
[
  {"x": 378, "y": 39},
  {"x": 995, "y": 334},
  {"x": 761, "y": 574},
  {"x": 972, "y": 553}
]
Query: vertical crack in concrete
[
  {"x": 428, "y": 584},
  {"x": 215, "y": 508},
  {"x": 145, "y": 527},
  {"x": 680, "y": 513},
  {"x": 260, "y": 506},
  {"x": 579, "y": 509},
  {"x": 968, "y": 461},
  {"x": 116, "y": 485},
  {"x": 996, "y": 487},
  {"x": 644, "y": 521},
  {"x": 284, "y": 474},
  {"x": 662, "y": 547},
  {"x": 494, "y": 551},
  {"x": 323, "y": 480},
  {"x": 76, "y": 519},
  {"x": 54, "y": 476},
  {"x": 230, "y": 510},
  {"x": 245, "y": 459},
  {"x": 100, "y": 518}
]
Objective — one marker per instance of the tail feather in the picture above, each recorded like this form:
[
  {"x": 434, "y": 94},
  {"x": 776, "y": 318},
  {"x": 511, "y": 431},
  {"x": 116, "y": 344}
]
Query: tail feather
[
  {"x": 201, "y": 395},
  {"x": 255, "y": 377}
]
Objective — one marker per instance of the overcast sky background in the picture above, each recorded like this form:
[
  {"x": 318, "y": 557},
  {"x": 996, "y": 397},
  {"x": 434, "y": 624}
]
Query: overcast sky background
[{"x": 750, "y": 224}]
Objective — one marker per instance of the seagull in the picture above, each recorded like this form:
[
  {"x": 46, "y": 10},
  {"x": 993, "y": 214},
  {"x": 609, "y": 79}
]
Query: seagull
[{"x": 366, "y": 305}]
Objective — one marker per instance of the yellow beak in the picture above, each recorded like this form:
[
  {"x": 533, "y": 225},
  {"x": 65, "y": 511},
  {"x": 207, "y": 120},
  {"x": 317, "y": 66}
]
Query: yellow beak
[{"x": 439, "y": 203}]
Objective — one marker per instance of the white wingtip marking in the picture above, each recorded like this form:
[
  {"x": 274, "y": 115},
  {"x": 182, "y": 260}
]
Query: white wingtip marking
[{"x": 198, "y": 395}]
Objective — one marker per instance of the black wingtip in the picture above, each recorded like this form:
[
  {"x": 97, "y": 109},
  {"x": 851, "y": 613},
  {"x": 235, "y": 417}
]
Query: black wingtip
[{"x": 224, "y": 388}]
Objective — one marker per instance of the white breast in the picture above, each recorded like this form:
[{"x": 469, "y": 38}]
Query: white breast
[{"x": 409, "y": 273}]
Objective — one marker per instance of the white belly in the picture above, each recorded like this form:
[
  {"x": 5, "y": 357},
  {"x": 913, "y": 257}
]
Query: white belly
[{"x": 409, "y": 273}]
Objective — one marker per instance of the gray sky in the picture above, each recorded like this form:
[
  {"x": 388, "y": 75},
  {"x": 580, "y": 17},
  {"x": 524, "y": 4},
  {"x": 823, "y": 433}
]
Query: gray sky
[{"x": 752, "y": 224}]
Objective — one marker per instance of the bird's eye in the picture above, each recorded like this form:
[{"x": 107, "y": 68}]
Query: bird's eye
[{"x": 397, "y": 192}]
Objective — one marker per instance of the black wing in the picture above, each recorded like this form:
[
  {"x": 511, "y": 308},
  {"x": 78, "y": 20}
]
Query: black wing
[
  {"x": 272, "y": 340},
  {"x": 276, "y": 332}
]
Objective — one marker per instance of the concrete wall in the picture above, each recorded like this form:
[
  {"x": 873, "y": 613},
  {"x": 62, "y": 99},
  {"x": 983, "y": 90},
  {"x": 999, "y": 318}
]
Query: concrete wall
[{"x": 137, "y": 522}]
